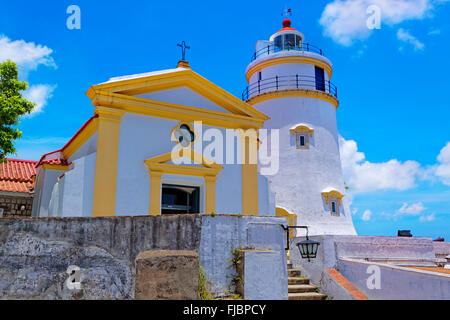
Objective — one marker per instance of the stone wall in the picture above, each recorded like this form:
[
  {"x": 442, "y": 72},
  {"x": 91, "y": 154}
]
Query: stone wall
[
  {"x": 167, "y": 275},
  {"x": 16, "y": 206},
  {"x": 35, "y": 253}
]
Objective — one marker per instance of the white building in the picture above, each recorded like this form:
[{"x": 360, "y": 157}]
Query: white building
[
  {"x": 145, "y": 152},
  {"x": 289, "y": 80},
  {"x": 122, "y": 161}
]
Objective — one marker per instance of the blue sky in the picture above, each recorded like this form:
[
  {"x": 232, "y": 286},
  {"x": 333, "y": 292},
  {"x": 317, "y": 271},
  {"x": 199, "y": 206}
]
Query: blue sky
[{"x": 393, "y": 82}]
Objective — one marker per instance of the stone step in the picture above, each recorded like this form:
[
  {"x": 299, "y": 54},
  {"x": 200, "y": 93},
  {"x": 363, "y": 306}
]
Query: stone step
[
  {"x": 300, "y": 288},
  {"x": 296, "y": 280},
  {"x": 294, "y": 273},
  {"x": 307, "y": 296}
]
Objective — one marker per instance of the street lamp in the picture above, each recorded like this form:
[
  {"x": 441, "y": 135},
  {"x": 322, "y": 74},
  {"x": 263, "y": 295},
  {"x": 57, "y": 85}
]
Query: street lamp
[{"x": 308, "y": 248}]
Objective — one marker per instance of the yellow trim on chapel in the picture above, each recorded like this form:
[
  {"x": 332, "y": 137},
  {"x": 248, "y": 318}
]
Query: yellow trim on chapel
[
  {"x": 81, "y": 138},
  {"x": 289, "y": 59},
  {"x": 174, "y": 111},
  {"x": 56, "y": 167},
  {"x": 249, "y": 150},
  {"x": 176, "y": 79},
  {"x": 158, "y": 166},
  {"x": 304, "y": 93},
  {"x": 106, "y": 161}
]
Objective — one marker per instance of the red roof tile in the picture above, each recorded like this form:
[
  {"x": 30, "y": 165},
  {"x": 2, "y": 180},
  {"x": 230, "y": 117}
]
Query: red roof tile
[
  {"x": 59, "y": 162},
  {"x": 16, "y": 175}
]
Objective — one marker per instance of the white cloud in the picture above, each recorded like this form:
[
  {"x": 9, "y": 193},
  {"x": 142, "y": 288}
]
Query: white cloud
[
  {"x": 443, "y": 168},
  {"x": 427, "y": 218},
  {"x": 414, "y": 208},
  {"x": 405, "y": 36},
  {"x": 346, "y": 20},
  {"x": 27, "y": 55},
  {"x": 39, "y": 94},
  {"x": 367, "y": 215},
  {"x": 434, "y": 32},
  {"x": 364, "y": 176}
]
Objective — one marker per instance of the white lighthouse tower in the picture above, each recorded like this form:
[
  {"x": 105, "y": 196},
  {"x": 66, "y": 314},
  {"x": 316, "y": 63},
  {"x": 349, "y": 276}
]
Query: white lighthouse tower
[{"x": 289, "y": 80}]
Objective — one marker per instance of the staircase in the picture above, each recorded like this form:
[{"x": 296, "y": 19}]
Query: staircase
[{"x": 299, "y": 288}]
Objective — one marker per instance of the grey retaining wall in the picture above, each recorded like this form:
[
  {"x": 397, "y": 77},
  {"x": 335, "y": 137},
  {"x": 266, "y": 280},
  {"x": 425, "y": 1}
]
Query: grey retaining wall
[{"x": 36, "y": 253}]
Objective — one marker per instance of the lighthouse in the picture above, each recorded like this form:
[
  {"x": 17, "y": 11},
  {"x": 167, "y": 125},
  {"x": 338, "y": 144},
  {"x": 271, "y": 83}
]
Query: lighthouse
[{"x": 289, "y": 80}]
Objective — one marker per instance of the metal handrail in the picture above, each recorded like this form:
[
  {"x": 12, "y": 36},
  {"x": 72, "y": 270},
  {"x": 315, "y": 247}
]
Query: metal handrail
[
  {"x": 274, "y": 49},
  {"x": 288, "y": 82}
]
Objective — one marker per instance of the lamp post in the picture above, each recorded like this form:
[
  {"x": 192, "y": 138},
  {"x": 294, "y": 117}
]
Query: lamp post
[{"x": 308, "y": 248}]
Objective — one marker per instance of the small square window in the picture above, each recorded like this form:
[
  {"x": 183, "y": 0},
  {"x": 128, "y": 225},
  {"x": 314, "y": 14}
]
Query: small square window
[{"x": 302, "y": 141}]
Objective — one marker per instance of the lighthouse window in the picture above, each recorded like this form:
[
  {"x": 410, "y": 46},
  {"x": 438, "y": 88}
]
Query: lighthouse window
[
  {"x": 302, "y": 140},
  {"x": 290, "y": 41},
  {"x": 279, "y": 42},
  {"x": 320, "y": 79},
  {"x": 334, "y": 208},
  {"x": 298, "y": 41}
]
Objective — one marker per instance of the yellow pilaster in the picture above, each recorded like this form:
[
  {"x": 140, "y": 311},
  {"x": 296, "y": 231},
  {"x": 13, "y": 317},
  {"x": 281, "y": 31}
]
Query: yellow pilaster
[
  {"x": 106, "y": 161},
  {"x": 249, "y": 142},
  {"x": 210, "y": 195},
  {"x": 155, "y": 192}
]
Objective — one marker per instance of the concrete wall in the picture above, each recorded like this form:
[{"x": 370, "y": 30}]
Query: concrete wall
[
  {"x": 397, "y": 283},
  {"x": 78, "y": 192},
  {"x": 222, "y": 234},
  {"x": 442, "y": 249},
  {"x": 44, "y": 186},
  {"x": 392, "y": 250},
  {"x": 36, "y": 253},
  {"x": 262, "y": 271}
]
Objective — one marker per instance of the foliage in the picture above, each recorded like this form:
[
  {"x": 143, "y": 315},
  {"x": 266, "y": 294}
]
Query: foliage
[
  {"x": 12, "y": 106},
  {"x": 203, "y": 292},
  {"x": 235, "y": 261}
]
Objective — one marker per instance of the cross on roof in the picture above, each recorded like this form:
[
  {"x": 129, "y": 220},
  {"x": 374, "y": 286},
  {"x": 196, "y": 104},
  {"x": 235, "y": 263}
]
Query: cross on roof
[{"x": 183, "y": 47}]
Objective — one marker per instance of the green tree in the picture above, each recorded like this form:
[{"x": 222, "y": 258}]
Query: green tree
[{"x": 12, "y": 107}]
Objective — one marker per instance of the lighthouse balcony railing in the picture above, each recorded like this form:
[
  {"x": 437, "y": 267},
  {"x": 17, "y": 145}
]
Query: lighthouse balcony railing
[
  {"x": 279, "y": 83},
  {"x": 274, "y": 49}
]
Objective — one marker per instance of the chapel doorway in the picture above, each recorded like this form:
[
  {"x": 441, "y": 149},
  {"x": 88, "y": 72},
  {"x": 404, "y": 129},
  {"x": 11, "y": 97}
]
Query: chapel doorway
[{"x": 177, "y": 199}]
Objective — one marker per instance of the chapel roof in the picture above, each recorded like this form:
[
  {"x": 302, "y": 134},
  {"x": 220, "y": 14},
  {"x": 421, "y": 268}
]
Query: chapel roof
[{"x": 17, "y": 175}]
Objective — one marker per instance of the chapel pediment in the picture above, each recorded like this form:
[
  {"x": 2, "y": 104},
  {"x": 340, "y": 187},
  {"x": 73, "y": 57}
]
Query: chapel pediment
[{"x": 169, "y": 93}]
